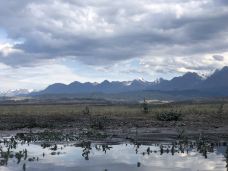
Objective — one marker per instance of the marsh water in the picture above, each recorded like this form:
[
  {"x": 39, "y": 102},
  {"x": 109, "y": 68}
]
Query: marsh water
[{"x": 18, "y": 155}]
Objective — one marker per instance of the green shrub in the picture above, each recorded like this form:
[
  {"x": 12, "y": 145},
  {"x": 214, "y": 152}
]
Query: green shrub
[
  {"x": 145, "y": 106},
  {"x": 169, "y": 116},
  {"x": 86, "y": 111}
]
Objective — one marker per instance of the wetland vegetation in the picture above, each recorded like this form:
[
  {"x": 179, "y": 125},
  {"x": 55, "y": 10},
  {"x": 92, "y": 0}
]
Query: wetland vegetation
[
  {"x": 114, "y": 136},
  {"x": 195, "y": 114}
]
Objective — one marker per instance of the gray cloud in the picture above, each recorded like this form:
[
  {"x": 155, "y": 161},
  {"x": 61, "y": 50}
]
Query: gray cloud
[
  {"x": 103, "y": 32},
  {"x": 218, "y": 57}
]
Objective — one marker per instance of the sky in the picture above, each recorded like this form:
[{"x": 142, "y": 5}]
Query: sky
[{"x": 48, "y": 41}]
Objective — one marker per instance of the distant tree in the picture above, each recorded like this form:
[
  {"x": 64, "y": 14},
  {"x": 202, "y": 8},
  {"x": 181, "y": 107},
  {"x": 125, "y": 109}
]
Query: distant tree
[
  {"x": 220, "y": 110},
  {"x": 145, "y": 106},
  {"x": 86, "y": 111}
]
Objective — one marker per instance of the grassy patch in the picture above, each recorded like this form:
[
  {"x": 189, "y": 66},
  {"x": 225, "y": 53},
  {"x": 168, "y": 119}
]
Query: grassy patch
[
  {"x": 105, "y": 116},
  {"x": 169, "y": 116}
]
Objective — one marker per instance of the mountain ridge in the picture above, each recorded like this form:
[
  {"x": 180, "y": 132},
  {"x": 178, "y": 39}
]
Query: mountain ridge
[
  {"x": 188, "y": 85},
  {"x": 189, "y": 81}
]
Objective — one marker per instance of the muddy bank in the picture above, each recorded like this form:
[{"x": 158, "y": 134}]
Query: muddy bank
[
  {"x": 117, "y": 128},
  {"x": 133, "y": 134},
  {"x": 160, "y": 122}
]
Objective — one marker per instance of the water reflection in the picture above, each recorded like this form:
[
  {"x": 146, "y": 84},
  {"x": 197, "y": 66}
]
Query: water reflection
[
  {"x": 226, "y": 156},
  {"x": 20, "y": 154}
]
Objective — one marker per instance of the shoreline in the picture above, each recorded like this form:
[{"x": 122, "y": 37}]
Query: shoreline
[{"x": 132, "y": 134}]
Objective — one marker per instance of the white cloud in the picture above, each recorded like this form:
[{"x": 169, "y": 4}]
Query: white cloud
[
  {"x": 111, "y": 31},
  {"x": 36, "y": 77},
  {"x": 163, "y": 37},
  {"x": 7, "y": 48},
  {"x": 178, "y": 65}
]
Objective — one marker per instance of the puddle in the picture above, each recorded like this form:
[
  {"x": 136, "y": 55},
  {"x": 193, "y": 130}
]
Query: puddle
[{"x": 17, "y": 155}]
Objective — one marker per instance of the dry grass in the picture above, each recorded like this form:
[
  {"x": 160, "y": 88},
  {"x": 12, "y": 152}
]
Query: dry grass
[{"x": 19, "y": 116}]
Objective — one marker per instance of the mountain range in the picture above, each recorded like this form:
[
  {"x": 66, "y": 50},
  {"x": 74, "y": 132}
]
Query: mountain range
[
  {"x": 15, "y": 92},
  {"x": 214, "y": 85},
  {"x": 188, "y": 86}
]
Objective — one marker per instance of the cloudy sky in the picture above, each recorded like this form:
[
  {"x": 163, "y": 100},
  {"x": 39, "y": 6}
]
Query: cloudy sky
[{"x": 47, "y": 41}]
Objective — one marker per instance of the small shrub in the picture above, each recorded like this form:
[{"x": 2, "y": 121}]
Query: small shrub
[
  {"x": 145, "y": 106},
  {"x": 98, "y": 123},
  {"x": 86, "y": 111},
  {"x": 169, "y": 116},
  {"x": 220, "y": 109}
]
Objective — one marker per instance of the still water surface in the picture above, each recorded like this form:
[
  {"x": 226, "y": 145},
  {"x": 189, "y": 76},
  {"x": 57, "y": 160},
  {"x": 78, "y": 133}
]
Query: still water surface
[{"x": 119, "y": 157}]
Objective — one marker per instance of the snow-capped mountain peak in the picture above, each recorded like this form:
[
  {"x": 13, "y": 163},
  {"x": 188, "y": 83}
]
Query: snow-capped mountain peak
[{"x": 16, "y": 92}]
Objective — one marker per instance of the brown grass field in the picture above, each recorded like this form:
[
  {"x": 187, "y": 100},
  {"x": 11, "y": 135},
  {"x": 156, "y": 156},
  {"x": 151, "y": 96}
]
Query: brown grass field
[{"x": 210, "y": 114}]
